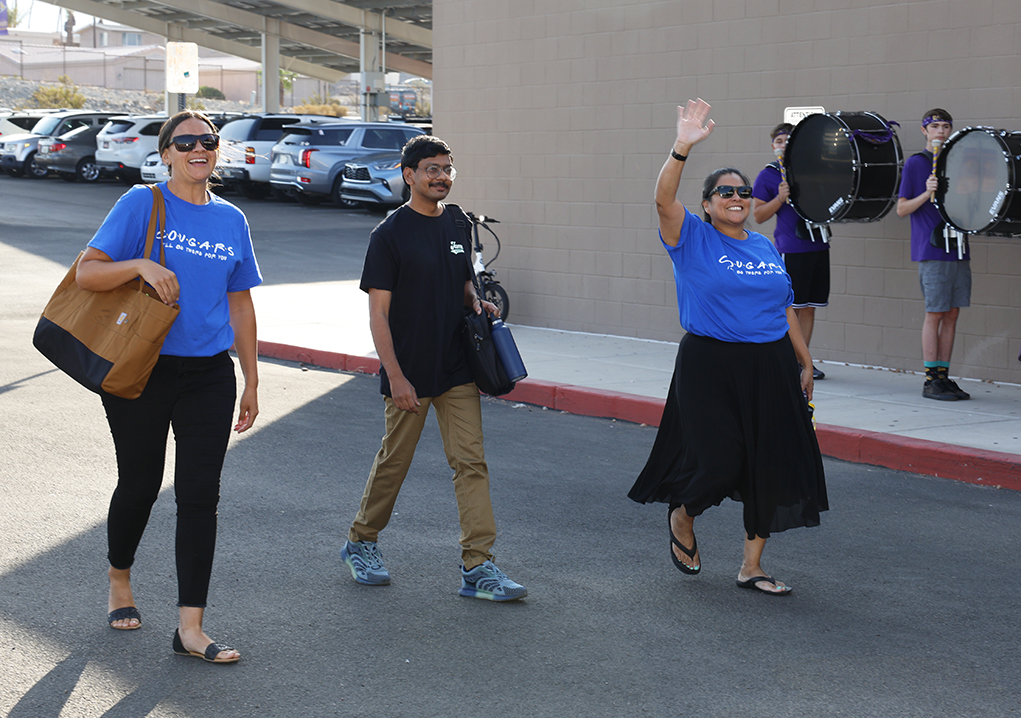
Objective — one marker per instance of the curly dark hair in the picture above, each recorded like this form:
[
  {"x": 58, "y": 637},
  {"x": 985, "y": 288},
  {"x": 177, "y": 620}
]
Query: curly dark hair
[{"x": 422, "y": 147}]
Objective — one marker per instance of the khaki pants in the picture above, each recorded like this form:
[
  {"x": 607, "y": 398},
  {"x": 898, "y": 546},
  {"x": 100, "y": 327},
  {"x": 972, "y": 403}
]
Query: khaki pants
[{"x": 459, "y": 415}]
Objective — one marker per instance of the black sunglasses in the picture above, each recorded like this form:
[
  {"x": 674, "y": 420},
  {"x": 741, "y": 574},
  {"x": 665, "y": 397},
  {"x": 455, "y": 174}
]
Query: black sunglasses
[
  {"x": 726, "y": 191},
  {"x": 186, "y": 143}
]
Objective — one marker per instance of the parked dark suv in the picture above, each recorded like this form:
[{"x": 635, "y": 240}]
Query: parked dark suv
[{"x": 309, "y": 159}]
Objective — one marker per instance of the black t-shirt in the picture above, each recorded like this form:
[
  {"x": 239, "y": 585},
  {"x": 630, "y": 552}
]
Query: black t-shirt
[{"x": 422, "y": 261}]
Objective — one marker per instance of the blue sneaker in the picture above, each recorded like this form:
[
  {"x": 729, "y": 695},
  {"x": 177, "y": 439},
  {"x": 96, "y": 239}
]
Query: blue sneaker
[
  {"x": 489, "y": 582},
  {"x": 365, "y": 562}
]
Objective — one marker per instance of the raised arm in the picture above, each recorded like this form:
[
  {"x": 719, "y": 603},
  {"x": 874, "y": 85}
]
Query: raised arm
[
  {"x": 906, "y": 206},
  {"x": 693, "y": 126},
  {"x": 762, "y": 210}
]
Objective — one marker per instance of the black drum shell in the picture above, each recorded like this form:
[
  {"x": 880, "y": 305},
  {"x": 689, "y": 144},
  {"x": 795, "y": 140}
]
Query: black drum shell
[
  {"x": 837, "y": 177},
  {"x": 979, "y": 171}
]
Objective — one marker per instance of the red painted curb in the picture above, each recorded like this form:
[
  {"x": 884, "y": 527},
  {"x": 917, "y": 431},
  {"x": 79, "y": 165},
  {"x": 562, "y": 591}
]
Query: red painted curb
[{"x": 961, "y": 463}]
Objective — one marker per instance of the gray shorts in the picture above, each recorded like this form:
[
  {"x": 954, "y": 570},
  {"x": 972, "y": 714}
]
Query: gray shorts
[{"x": 945, "y": 285}]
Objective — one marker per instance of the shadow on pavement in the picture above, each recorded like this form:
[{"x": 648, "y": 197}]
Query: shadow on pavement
[{"x": 904, "y": 602}]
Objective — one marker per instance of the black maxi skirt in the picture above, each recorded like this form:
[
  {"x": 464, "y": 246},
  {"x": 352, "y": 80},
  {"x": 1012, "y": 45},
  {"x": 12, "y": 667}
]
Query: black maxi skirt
[{"x": 736, "y": 424}]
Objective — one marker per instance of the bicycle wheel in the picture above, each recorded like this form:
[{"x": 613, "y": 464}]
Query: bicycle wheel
[{"x": 497, "y": 295}]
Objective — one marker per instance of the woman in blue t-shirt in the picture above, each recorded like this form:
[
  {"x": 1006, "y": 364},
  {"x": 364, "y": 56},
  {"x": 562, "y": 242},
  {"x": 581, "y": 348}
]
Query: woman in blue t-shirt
[
  {"x": 210, "y": 268},
  {"x": 736, "y": 422}
]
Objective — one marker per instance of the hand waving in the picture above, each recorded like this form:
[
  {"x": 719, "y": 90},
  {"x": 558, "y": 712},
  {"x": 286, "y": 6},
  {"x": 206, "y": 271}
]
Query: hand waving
[{"x": 693, "y": 124}]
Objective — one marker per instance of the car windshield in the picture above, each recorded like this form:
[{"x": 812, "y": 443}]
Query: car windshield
[{"x": 46, "y": 125}]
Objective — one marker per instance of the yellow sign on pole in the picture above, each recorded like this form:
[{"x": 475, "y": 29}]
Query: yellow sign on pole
[{"x": 182, "y": 67}]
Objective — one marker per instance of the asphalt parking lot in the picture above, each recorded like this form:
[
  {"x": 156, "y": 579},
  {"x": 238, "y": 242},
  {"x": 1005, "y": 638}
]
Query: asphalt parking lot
[{"x": 905, "y": 600}]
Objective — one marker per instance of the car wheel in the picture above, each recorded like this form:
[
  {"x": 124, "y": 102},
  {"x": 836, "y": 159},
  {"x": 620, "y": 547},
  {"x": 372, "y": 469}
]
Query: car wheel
[
  {"x": 254, "y": 190},
  {"x": 340, "y": 201},
  {"x": 282, "y": 195},
  {"x": 87, "y": 171},
  {"x": 32, "y": 169},
  {"x": 68, "y": 176},
  {"x": 309, "y": 200},
  {"x": 497, "y": 295}
]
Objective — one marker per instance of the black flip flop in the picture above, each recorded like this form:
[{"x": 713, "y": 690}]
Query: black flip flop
[
  {"x": 681, "y": 566},
  {"x": 755, "y": 580},
  {"x": 209, "y": 655},
  {"x": 122, "y": 614}
]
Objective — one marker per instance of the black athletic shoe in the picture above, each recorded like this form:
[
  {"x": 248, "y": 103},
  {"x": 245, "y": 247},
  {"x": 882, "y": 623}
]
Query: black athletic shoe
[
  {"x": 960, "y": 393},
  {"x": 937, "y": 389},
  {"x": 817, "y": 375}
]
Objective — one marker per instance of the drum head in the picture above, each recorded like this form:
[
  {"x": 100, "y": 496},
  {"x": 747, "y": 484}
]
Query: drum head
[
  {"x": 820, "y": 167},
  {"x": 843, "y": 167},
  {"x": 977, "y": 171}
]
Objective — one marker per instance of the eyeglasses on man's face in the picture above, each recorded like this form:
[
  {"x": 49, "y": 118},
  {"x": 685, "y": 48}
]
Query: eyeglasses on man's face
[
  {"x": 434, "y": 171},
  {"x": 726, "y": 191},
  {"x": 186, "y": 143}
]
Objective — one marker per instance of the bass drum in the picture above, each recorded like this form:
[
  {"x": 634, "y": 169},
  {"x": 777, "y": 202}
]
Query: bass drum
[
  {"x": 979, "y": 169},
  {"x": 843, "y": 167}
]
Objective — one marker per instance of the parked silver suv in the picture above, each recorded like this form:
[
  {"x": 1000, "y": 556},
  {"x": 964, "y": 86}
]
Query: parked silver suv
[
  {"x": 245, "y": 147},
  {"x": 20, "y": 122},
  {"x": 375, "y": 180},
  {"x": 18, "y": 152},
  {"x": 309, "y": 159}
]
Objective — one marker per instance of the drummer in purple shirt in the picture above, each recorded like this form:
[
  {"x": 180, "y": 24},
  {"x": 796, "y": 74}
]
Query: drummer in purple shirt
[
  {"x": 945, "y": 277},
  {"x": 807, "y": 261}
]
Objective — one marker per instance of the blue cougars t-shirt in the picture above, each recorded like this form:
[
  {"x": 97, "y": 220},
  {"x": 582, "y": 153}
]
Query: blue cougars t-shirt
[
  {"x": 207, "y": 246},
  {"x": 729, "y": 289}
]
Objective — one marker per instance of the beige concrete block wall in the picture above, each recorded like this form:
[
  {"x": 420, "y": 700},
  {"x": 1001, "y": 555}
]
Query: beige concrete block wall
[{"x": 560, "y": 114}]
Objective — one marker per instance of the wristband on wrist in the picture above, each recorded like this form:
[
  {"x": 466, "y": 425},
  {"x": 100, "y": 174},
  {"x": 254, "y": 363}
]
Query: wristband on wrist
[{"x": 677, "y": 155}]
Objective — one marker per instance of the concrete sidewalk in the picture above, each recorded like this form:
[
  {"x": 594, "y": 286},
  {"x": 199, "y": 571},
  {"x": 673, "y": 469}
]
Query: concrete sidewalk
[{"x": 865, "y": 415}]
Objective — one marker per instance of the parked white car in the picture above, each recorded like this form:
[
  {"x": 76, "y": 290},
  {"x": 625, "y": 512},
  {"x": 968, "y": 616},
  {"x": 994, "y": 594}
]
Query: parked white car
[
  {"x": 125, "y": 142},
  {"x": 153, "y": 169}
]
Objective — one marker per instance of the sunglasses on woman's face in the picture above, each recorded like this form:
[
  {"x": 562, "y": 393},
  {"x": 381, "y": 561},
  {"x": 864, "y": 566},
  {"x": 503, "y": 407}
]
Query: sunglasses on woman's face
[
  {"x": 727, "y": 191},
  {"x": 186, "y": 143}
]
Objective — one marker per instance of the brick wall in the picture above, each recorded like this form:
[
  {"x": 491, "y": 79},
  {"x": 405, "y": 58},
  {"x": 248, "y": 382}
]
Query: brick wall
[{"x": 561, "y": 112}]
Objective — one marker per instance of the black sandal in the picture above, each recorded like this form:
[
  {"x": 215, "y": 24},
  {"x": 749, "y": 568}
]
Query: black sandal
[
  {"x": 210, "y": 654},
  {"x": 681, "y": 566},
  {"x": 124, "y": 614}
]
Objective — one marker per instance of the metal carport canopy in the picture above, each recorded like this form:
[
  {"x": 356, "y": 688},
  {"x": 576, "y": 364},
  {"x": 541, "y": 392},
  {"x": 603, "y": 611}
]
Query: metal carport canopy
[{"x": 317, "y": 38}]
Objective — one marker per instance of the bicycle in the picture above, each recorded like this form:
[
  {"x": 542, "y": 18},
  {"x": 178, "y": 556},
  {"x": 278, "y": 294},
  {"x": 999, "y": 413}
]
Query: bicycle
[{"x": 491, "y": 289}]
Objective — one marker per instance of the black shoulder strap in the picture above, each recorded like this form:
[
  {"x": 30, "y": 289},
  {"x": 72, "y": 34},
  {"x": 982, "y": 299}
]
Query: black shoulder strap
[
  {"x": 462, "y": 222},
  {"x": 775, "y": 165}
]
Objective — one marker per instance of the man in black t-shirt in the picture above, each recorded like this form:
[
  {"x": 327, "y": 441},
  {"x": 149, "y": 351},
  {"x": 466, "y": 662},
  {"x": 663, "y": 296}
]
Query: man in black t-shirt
[{"x": 417, "y": 274}]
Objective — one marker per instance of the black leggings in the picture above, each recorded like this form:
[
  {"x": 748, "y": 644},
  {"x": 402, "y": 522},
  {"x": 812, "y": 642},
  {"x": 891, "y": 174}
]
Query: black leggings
[{"x": 196, "y": 396}]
